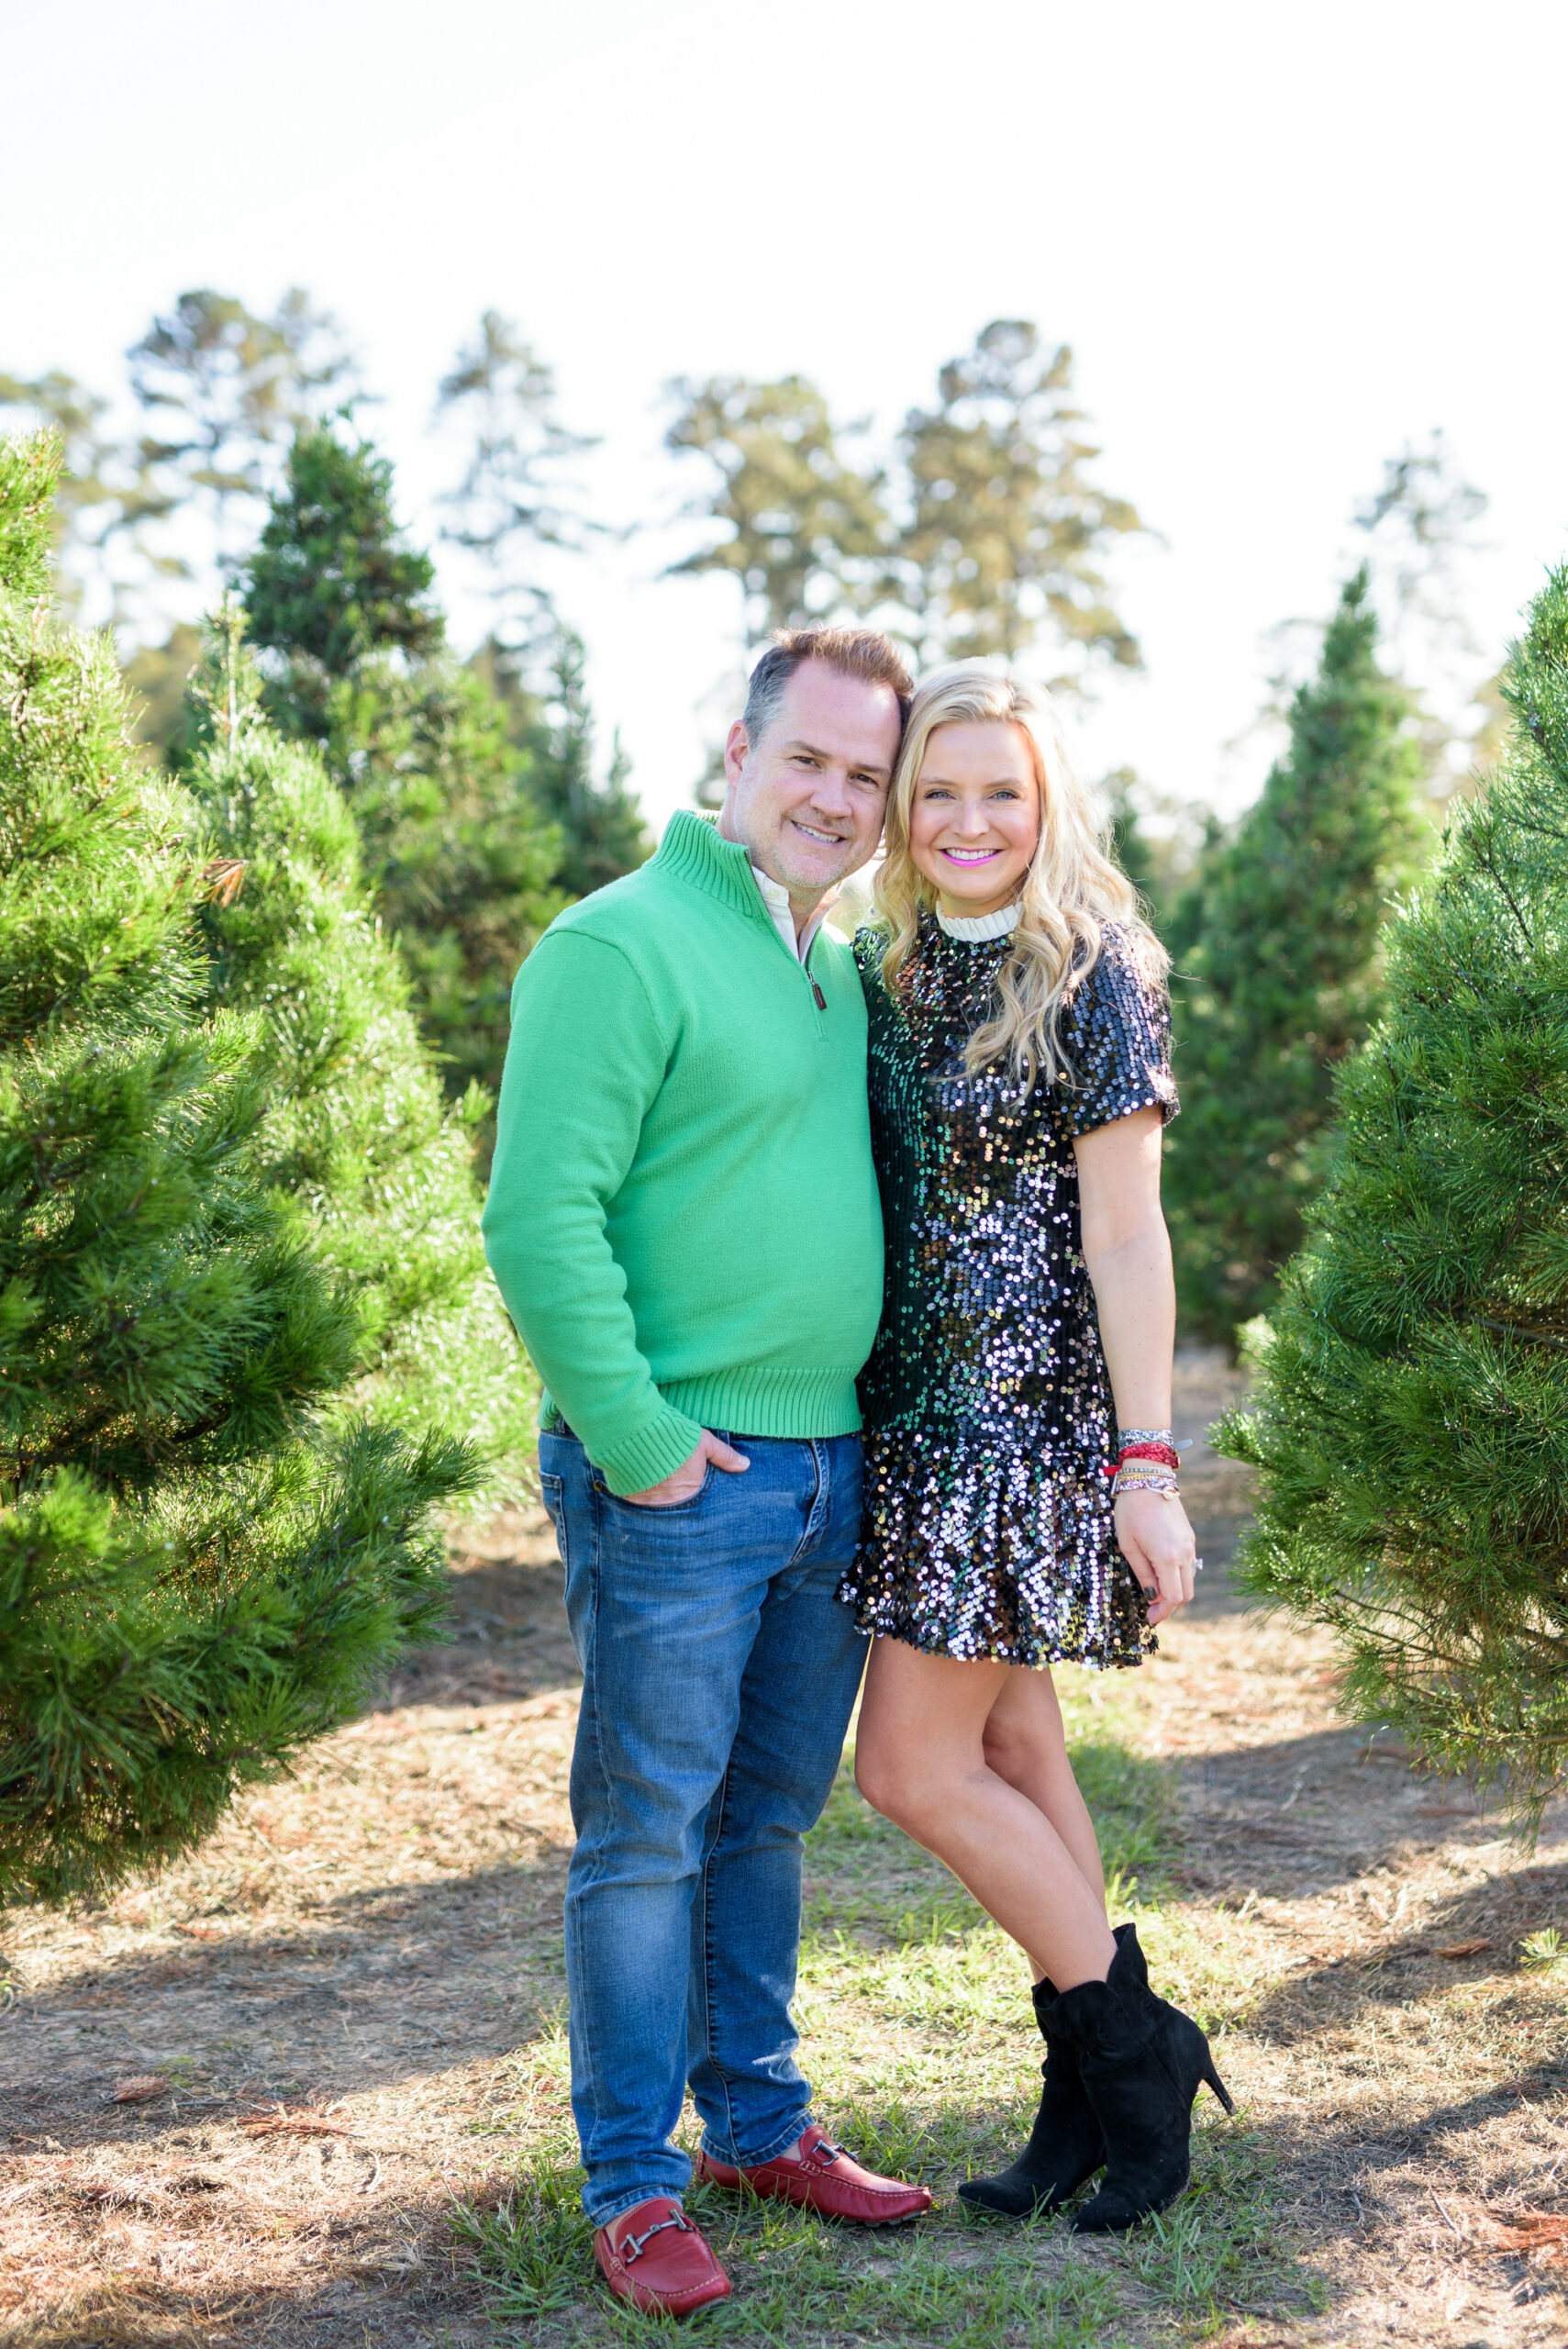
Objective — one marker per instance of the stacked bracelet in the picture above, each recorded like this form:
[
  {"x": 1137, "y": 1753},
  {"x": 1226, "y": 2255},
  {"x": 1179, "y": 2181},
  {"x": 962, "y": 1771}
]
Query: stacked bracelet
[
  {"x": 1141, "y": 1477},
  {"x": 1145, "y": 1462}
]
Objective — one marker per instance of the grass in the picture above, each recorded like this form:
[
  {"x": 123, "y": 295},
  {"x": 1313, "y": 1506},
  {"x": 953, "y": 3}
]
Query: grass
[{"x": 916, "y": 2034}]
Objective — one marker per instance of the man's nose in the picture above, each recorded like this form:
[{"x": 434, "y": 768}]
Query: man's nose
[{"x": 831, "y": 793}]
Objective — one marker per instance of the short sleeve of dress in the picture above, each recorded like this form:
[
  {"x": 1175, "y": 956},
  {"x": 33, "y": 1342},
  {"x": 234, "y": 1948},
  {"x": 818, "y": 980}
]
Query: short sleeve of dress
[{"x": 1116, "y": 1030}]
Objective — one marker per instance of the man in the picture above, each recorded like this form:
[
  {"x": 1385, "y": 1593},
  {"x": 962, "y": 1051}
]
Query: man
[{"x": 683, "y": 1222}]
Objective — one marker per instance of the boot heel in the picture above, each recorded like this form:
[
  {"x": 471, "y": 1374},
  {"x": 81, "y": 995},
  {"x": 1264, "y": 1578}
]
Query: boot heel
[{"x": 1213, "y": 2081}]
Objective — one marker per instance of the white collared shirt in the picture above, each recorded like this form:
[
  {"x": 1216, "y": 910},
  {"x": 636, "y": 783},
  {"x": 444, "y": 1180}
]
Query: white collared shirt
[{"x": 776, "y": 897}]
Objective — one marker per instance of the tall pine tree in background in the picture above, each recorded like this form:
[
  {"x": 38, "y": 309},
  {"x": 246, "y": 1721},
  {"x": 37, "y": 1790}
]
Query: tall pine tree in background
[
  {"x": 193, "y": 1576},
  {"x": 1002, "y": 529},
  {"x": 1279, "y": 977},
  {"x": 600, "y": 824},
  {"x": 455, "y": 848},
  {"x": 332, "y": 583},
  {"x": 803, "y": 529},
  {"x": 478, "y": 814},
  {"x": 357, "y": 1129},
  {"x": 1411, "y": 1422}
]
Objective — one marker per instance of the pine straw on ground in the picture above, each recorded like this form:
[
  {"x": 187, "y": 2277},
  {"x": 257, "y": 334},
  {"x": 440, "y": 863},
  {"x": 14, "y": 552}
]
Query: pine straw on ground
[{"x": 344, "y": 2018}]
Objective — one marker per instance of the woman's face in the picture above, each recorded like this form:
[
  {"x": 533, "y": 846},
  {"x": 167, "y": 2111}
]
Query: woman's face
[{"x": 974, "y": 817}]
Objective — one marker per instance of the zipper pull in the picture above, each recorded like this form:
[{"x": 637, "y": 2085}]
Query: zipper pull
[{"x": 821, "y": 999}]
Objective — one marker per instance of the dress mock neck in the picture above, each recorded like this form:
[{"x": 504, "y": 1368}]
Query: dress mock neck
[{"x": 975, "y": 927}]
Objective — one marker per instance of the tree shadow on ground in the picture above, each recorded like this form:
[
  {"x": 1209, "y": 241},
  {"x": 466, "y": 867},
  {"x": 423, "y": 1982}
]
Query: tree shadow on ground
[
  {"x": 378, "y": 1988},
  {"x": 1299, "y": 1816},
  {"x": 506, "y": 1639}
]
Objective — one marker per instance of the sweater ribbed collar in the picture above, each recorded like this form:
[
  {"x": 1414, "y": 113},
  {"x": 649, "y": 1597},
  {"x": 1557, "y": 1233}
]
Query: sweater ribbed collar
[{"x": 692, "y": 851}]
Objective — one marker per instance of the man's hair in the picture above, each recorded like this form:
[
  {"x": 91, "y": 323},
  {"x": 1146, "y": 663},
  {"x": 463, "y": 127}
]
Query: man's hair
[{"x": 863, "y": 652}]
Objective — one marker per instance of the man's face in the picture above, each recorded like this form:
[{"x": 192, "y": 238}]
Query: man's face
[{"x": 807, "y": 800}]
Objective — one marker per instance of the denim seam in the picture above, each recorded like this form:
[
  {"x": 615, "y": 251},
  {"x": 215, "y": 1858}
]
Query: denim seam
[
  {"x": 605, "y": 1780},
  {"x": 708, "y": 1954},
  {"x": 819, "y": 1512}
]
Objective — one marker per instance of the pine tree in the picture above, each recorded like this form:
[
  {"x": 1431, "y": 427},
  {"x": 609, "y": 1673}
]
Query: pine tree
[
  {"x": 460, "y": 862},
  {"x": 600, "y": 824},
  {"x": 221, "y": 391},
  {"x": 806, "y": 529},
  {"x": 194, "y": 1575},
  {"x": 1411, "y": 1425},
  {"x": 466, "y": 869},
  {"x": 1279, "y": 977},
  {"x": 1003, "y": 528},
  {"x": 357, "y": 1129},
  {"x": 332, "y": 582}
]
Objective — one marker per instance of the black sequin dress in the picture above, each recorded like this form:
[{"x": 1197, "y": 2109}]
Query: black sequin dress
[{"x": 988, "y": 1415}]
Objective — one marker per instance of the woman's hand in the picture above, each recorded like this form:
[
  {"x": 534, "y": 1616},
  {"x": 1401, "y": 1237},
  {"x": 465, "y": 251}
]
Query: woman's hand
[{"x": 1158, "y": 1544}]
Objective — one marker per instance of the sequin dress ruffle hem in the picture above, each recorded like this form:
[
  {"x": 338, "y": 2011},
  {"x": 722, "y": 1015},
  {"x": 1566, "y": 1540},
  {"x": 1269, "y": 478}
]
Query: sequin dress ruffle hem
[{"x": 987, "y": 1411}]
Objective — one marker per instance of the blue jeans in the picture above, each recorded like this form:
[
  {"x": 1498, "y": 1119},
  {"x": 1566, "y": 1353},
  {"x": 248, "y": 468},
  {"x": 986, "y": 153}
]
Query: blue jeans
[{"x": 718, "y": 1676}]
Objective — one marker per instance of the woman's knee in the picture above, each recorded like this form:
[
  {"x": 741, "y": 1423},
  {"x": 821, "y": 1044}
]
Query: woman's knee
[
  {"x": 891, "y": 1782},
  {"x": 1025, "y": 1750}
]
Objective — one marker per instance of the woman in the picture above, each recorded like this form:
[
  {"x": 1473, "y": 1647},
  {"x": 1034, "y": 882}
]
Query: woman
[{"x": 1022, "y": 1506}]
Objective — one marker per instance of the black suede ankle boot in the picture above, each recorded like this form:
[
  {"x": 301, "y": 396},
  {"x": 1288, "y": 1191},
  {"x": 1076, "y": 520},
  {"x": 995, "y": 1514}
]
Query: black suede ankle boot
[
  {"x": 1065, "y": 2146},
  {"x": 1141, "y": 2062}
]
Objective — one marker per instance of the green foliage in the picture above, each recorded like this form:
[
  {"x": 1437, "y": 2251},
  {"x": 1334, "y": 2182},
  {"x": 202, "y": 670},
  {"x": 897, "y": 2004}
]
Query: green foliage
[
  {"x": 479, "y": 816},
  {"x": 332, "y": 581},
  {"x": 221, "y": 389},
  {"x": 987, "y": 535},
  {"x": 455, "y": 848},
  {"x": 599, "y": 825},
  {"x": 1003, "y": 528},
  {"x": 91, "y": 497},
  {"x": 805, "y": 529},
  {"x": 1279, "y": 976},
  {"x": 356, "y": 1128},
  {"x": 158, "y": 678},
  {"x": 465, "y": 870},
  {"x": 1411, "y": 1427},
  {"x": 191, "y": 1578}
]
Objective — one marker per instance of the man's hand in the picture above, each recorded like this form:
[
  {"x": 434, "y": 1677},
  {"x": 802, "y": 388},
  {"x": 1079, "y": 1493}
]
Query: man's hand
[
  {"x": 1158, "y": 1544},
  {"x": 684, "y": 1481}
]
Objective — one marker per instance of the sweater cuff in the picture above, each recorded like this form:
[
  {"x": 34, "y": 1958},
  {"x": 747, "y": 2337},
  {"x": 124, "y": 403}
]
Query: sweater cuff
[{"x": 647, "y": 1458}]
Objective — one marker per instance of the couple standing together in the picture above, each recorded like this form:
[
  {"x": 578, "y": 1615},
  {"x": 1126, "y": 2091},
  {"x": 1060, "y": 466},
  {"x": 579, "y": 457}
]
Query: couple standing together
[{"x": 709, "y": 1239}]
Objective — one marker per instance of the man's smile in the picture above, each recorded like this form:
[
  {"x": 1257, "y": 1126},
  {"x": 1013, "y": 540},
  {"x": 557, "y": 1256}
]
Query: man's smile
[{"x": 830, "y": 839}]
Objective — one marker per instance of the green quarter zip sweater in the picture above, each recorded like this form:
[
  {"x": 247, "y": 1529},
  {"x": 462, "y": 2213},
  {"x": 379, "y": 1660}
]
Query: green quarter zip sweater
[{"x": 682, "y": 1218}]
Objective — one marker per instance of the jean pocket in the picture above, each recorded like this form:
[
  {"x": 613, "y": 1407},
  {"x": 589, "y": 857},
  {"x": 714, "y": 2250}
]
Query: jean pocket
[
  {"x": 552, "y": 1492},
  {"x": 659, "y": 1508}
]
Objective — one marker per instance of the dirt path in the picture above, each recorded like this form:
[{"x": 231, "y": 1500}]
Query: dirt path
[{"x": 349, "y": 1999}]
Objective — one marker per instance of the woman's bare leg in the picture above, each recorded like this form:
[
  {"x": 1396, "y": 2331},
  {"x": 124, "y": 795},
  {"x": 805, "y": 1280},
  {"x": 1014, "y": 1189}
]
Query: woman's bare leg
[
  {"x": 921, "y": 1759},
  {"x": 1027, "y": 1744}
]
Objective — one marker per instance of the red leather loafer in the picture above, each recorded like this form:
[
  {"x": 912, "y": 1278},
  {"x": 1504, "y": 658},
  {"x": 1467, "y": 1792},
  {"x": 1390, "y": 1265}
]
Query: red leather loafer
[
  {"x": 822, "y": 2177},
  {"x": 654, "y": 2257}
]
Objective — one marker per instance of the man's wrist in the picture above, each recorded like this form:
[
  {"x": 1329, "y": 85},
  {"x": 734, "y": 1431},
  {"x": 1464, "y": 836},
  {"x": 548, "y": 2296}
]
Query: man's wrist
[{"x": 637, "y": 1463}]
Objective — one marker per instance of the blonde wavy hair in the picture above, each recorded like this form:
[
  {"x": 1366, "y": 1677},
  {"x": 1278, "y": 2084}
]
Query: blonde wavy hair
[{"x": 1071, "y": 890}]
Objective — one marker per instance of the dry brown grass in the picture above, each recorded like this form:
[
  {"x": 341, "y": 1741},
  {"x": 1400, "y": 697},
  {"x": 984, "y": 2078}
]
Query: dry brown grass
[{"x": 352, "y": 1991}]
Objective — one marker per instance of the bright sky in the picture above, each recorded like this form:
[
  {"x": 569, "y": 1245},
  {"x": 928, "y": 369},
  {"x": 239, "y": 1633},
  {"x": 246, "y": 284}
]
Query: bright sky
[{"x": 1284, "y": 241}]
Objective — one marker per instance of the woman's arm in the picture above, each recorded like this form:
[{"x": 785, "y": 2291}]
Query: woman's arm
[{"x": 1128, "y": 1252}]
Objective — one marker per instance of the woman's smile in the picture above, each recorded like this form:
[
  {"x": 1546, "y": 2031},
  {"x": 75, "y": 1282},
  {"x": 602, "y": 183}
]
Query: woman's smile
[{"x": 977, "y": 779}]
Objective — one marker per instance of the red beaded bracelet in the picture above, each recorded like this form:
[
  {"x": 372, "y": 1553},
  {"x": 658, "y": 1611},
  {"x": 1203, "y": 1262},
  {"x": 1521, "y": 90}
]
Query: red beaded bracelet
[{"x": 1164, "y": 1453}]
